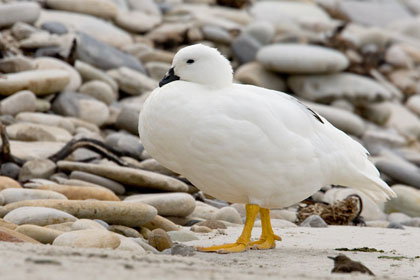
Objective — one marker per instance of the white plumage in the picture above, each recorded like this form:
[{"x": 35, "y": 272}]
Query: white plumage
[{"x": 247, "y": 144}]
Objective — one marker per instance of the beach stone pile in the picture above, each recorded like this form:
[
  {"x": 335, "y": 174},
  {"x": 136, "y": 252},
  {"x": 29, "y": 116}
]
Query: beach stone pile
[{"x": 74, "y": 76}]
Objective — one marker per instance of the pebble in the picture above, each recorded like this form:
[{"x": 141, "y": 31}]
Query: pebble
[
  {"x": 405, "y": 80},
  {"x": 399, "y": 218},
  {"x": 182, "y": 250},
  {"x": 407, "y": 201},
  {"x": 82, "y": 125},
  {"x": 104, "y": 56},
  {"x": 182, "y": 236},
  {"x": 157, "y": 69},
  {"x": 6, "y": 183},
  {"x": 126, "y": 143},
  {"x": 301, "y": 59},
  {"x": 62, "y": 180},
  {"x": 327, "y": 88},
  {"x": 160, "y": 240},
  {"x": 100, "y": 8},
  {"x": 88, "y": 238},
  {"x": 365, "y": 12},
  {"x": 102, "y": 223},
  {"x": 13, "y": 195},
  {"x": 15, "y": 64},
  {"x": 400, "y": 171},
  {"x": 37, "y": 168},
  {"x": 145, "y": 245},
  {"x": 413, "y": 222},
  {"x": 396, "y": 56},
  {"x": 83, "y": 224},
  {"x": 145, "y": 232},
  {"x": 18, "y": 12},
  {"x": 113, "y": 212},
  {"x": 8, "y": 225},
  {"x": 280, "y": 12},
  {"x": 10, "y": 169},
  {"x": 81, "y": 106},
  {"x": 54, "y": 63},
  {"x": 9, "y": 235},
  {"x": 167, "y": 204},
  {"x": 284, "y": 214},
  {"x": 203, "y": 210},
  {"x": 47, "y": 119},
  {"x": 228, "y": 214},
  {"x": 395, "y": 225},
  {"x": 379, "y": 224},
  {"x": 413, "y": 103},
  {"x": 154, "y": 166},
  {"x": 245, "y": 48},
  {"x": 147, "y": 6},
  {"x": 169, "y": 32},
  {"x": 253, "y": 73},
  {"x": 40, "y": 82},
  {"x": 95, "y": 27},
  {"x": 137, "y": 21},
  {"x": 128, "y": 176},
  {"x": 263, "y": 31},
  {"x": 37, "y": 132},
  {"x": 401, "y": 119},
  {"x": 89, "y": 73},
  {"x": 131, "y": 81},
  {"x": 216, "y": 34},
  {"x": 126, "y": 231},
  {"x": 162, "y": 223},
  {"x": 200, "y": 229},
  {"x": 314, "y": 221},
  {"x": 63, "y": 227},
  {"x": 99, "y": 90},
  {"x": 128, "y": 118},
  {"x": 22, "y": 101},
  {"x": 82, "y": 192},
  {"x": 40, "y": 216},
  {"x": 213, "y": 224},
  {"x": 127, "y": 244},
  {"x": 54, "y": 27},
  {"x": 35, "y": 150},
  {"x": 377, "y": 140},
  {"x": 116, "y": 187},
  {"x": 156, "y": 55},
  {"x": 42, "y": 105},
  {"x": 41, "y": 234}
]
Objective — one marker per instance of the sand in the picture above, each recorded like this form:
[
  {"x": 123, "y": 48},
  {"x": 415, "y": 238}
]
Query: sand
[{"x": 301, "y": 255}]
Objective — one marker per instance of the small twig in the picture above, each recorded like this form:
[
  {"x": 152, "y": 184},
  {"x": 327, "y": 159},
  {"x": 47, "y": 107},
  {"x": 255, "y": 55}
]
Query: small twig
[
  {"x": 5, "y": 153},
  {"x": 93, "y": 145}
]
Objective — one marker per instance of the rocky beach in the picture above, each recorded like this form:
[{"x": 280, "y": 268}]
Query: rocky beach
[{"x": 80, "y": 196}]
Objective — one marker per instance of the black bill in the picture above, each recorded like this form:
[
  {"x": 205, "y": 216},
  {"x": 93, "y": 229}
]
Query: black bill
[{"x": 169, "y": 77}]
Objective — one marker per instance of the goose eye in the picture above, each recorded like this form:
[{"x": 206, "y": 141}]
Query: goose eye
[{"x": 190, "y": 61}]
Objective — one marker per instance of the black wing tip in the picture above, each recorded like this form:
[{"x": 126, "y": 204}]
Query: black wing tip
[{"x": 315, "y": 115}]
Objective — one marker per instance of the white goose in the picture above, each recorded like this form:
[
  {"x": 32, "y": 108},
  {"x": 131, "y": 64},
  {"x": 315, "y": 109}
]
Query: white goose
[{"x": 247, "y": 144}]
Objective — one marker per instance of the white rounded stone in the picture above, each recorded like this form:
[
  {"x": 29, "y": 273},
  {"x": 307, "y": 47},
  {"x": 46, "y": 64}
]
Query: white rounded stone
[
  {"x": 40, "y": 216},
  {"x": 302, "y": 59},
  {"x": 40, "y": 82},
  {"x": 326, "y": 88},
  {"x": 89, "y": 238},
  {"x": 15, "y": 194}
]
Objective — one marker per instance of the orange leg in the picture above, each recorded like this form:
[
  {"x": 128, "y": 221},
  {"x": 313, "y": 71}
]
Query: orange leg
[
  {"x": 268, "y": 238},
  {"x": 243, "y": 241}
]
